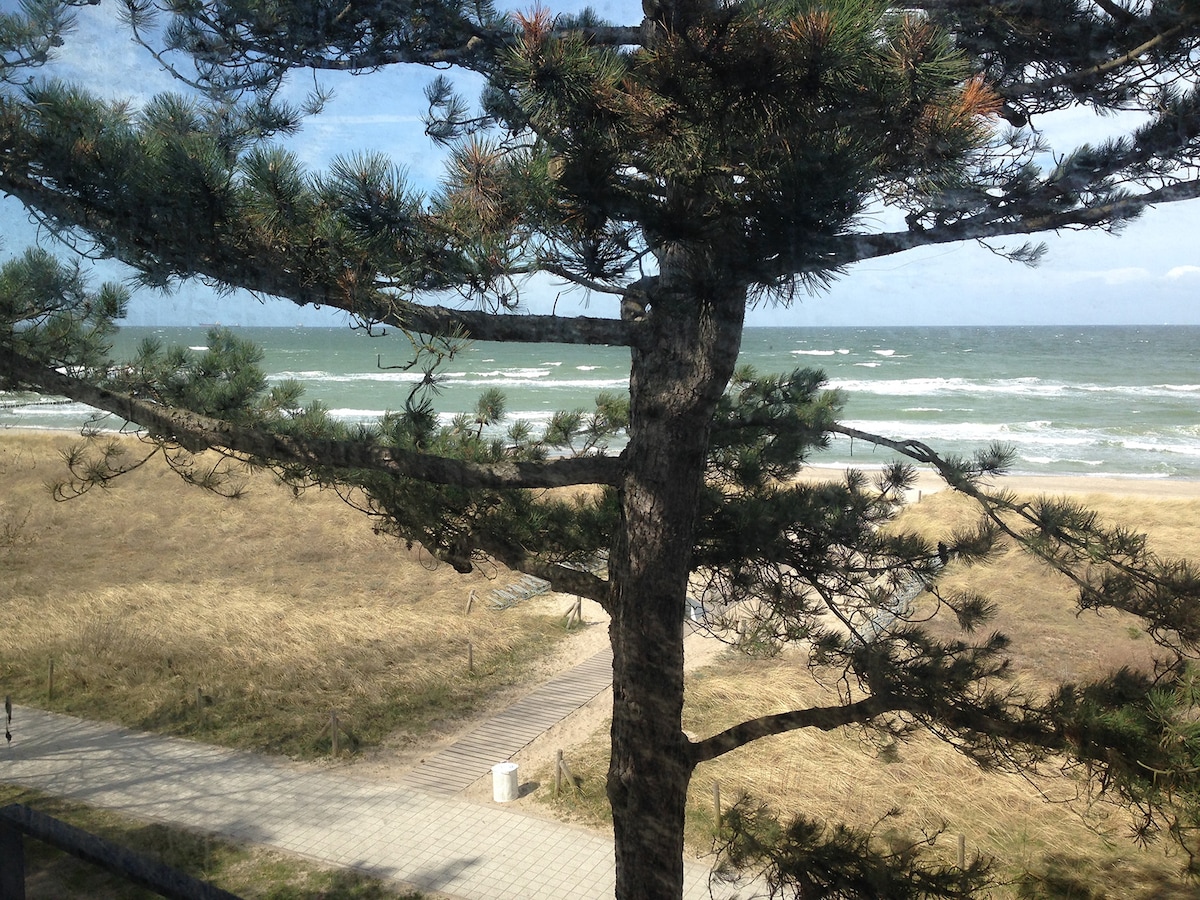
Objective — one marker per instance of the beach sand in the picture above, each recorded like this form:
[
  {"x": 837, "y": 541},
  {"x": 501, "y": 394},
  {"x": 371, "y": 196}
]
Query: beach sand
[{"x": 928, "y": 482}]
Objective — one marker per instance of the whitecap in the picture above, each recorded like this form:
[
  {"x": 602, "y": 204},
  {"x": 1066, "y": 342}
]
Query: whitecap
[
  {"x": 588, "y": 383},
  {"x": 525, "y": 374},
  {"x": 1059, "y": 460},
  {"x": 1017, "y": 434},
  {"x": 356, "y": 415},
  {"x": 910, "y": 387}
]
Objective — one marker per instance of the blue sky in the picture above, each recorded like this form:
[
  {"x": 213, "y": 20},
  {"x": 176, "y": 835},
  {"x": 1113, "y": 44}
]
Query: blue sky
[{"x": 1149, "y": 274}]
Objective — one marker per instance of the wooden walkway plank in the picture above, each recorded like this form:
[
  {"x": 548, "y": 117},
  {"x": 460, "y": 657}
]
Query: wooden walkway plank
[{"x": 454, "y": 768}]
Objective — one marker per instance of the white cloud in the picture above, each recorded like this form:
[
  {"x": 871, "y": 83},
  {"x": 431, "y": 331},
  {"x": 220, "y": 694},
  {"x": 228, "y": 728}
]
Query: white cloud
[{"x": 1183, "y": 272}]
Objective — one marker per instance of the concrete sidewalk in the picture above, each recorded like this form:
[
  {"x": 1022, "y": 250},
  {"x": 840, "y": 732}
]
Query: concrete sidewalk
[{"x": 465, "y": 850}]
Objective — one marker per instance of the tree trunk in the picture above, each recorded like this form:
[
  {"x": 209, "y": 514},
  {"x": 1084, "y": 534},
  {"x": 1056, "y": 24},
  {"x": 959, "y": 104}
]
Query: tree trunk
[{"x": 676, "y": 380}]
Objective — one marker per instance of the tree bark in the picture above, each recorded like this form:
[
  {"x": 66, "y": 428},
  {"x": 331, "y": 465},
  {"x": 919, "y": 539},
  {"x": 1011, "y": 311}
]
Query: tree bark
[{"x": 674, "y": 388}]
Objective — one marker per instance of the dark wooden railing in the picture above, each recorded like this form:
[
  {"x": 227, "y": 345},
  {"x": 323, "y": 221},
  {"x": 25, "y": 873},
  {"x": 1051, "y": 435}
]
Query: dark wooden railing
[{"x": 17, "y": 821}]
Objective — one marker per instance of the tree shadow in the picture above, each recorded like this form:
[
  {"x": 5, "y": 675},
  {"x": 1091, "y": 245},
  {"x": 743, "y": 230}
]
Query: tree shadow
[{"x": 1064, "y": 876}]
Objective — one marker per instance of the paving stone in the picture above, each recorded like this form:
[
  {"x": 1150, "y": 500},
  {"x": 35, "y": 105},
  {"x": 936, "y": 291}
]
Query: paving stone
[{"x": 414, "y": 831}]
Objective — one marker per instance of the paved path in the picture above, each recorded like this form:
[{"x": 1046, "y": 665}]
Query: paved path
[
  {"x": 472, "y": 756},
  {"x": 465, "y": 850}
]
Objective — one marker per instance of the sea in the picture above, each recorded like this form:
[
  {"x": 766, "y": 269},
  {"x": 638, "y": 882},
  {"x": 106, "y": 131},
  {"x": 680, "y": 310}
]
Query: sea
[{"x": 1096, "y": 400}]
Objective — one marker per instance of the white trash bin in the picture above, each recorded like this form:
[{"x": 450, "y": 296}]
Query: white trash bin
[{"x": 504, "y": 782}]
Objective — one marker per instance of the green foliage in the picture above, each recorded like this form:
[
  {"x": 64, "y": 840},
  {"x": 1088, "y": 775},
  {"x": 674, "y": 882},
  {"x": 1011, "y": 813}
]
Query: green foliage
[
  {"x": 808, "y": 860},
  {"x": 773, "y": 120},
  {"x": 1141, "y": 735},
  {"x": 29, "y": 36},
  {"x": 462, "y": 525},
  {"x": 48, "y": 313},
  {"x": 224, "y": 381}
]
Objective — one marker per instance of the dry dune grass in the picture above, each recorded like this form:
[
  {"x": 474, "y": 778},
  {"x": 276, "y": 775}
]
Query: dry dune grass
[
  {"x": 242, "y": 622},
  {"x": 1070, "y": 848},
  {"x": 1052, "y": 641}
]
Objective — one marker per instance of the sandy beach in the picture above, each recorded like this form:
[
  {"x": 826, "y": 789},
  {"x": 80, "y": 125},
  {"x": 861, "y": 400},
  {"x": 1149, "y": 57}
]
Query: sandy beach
[{"x": 928, "y": 482}]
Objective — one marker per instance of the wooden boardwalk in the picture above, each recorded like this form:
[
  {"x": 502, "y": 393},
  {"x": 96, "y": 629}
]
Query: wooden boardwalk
[{"x": 451, "y": 770}]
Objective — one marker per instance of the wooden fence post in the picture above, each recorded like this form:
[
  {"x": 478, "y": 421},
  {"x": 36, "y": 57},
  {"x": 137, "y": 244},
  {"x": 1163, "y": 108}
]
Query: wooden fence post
[
  {"x": 333, "y": 730},
  {"x": 570, "y": 776},
  {"x": 558, "y": 764},
  {"x": 470, "y": 601},
  {"x": 717, "y": 803},
  {"x": 962, "y": 852},
  {"x": 50, "y": 682},
  {"x": 470, "y": 658}
]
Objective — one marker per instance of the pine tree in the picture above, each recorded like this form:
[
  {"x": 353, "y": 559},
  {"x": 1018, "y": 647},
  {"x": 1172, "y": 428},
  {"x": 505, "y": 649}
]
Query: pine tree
[{"x": 709, "y": 156}]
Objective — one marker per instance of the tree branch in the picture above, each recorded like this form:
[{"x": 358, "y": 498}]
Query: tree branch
[
  {"x": 826, "y": 718},
  {"x": 483, "y": 326},
  {"x": 129, "y": 245},
  {"x": 1028, "y": 728},
  {"x": 1036, "y": 88},
  {"x": 563, "y": 579},
  {"x": 853, "y": 248},
  {"x": 477, "y": 54},
  {"x": 197, "y": 432}
]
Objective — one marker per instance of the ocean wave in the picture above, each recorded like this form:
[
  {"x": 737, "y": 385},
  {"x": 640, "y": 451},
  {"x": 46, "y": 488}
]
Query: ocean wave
[
  {"x": 318, "y": 377},
  {"x": 1059, "y": 460},
  {"x": 915, "y": 387},
  {"x": 1183, "y": 449},
  {"x": 499, "y": 378},
  {"x": 536, "y": 417},
  {"x": 1035, "y": 432},
  {"x": 525, "y": 374},
  {"x": 1140, "y": 390},
  {"x": 357, "y": 416},
  {"x": 1028, "y": 386},
  {"x": 590, "y": 384}
]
